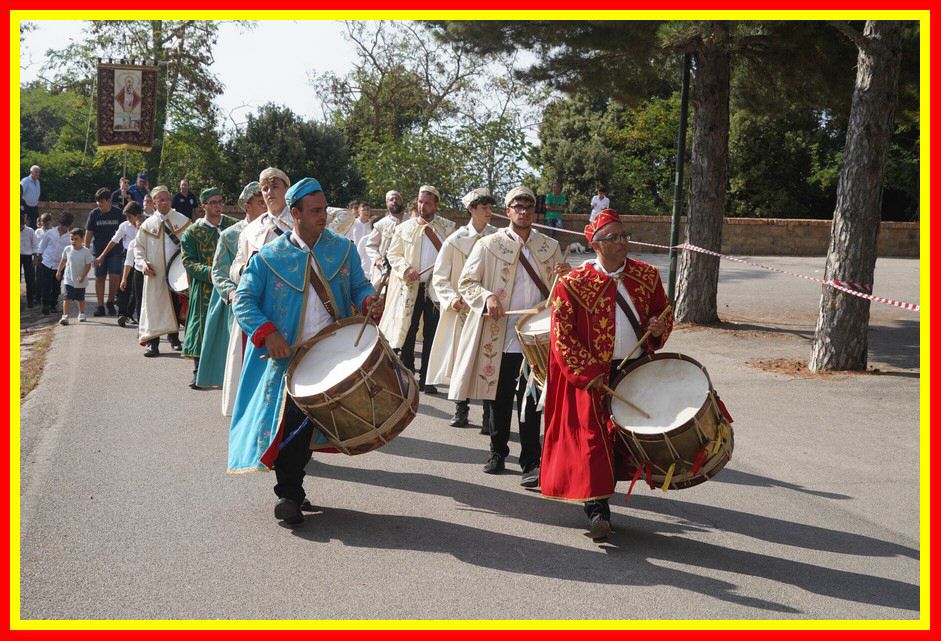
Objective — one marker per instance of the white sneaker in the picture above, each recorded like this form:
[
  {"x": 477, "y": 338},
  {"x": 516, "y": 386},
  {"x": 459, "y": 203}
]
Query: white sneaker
[
  {"x": 82, "y": 318},
  {"x": 64, "y": 320}
]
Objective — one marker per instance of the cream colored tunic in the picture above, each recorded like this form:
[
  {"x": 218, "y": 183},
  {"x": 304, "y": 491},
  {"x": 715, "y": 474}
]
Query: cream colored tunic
[
  {"x": 405, "y": 252},
  {"x": 445, "y": 278},
  {"x": 377, "y": 245},
  {"x": 255, "y": 235},
  {"x": 491, "y": 270},
  {"x": 340, "y": 220},
  {"x": 157, "y": 316}
]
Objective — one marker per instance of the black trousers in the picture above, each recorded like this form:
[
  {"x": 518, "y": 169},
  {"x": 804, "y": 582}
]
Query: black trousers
[
  {"x": 49, "y": 287},
  {"x": 426, "y": 312},
  {"x": 126, "y": 297},
  {"x": 511, "y": 386},
  {"x": 138, "y": 280},
  {"x": 175, "y": 336},
  {"x": 29, "y": 274},
  {"x": 294, "y": 454}
]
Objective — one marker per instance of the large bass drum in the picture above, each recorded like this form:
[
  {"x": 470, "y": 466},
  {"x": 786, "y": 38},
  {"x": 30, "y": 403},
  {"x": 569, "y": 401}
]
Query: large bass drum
[
  {"x": 533, "y": 333},
  {"x": 178, "y": 282},
  {"x": 688, "y": 436},
  {"x": 359, "y": 398}
]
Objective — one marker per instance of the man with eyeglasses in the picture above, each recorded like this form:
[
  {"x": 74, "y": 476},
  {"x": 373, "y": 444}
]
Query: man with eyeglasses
[
  {"x": 599, "y": 312},
  {"x": 198, "y": 246},
  {"x": 506, "y": 271}
]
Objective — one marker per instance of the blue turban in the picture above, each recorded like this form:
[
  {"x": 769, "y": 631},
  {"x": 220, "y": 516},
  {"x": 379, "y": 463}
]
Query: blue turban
[{"x": 301, "y": 188}]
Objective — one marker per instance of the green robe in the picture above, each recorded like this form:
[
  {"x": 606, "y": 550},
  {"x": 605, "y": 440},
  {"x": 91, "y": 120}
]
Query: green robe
[{"x": 198, "y": 246}]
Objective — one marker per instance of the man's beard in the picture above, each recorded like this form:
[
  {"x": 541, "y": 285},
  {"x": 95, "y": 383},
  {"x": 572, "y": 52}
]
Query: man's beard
[{"x": 396, "y": 209}]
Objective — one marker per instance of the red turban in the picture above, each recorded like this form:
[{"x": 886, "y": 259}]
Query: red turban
[{"x": 606, "y": 216}]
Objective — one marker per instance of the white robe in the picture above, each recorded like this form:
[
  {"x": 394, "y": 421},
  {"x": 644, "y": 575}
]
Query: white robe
[
  {"x": 491, "y": 270},
  {"x": 377, "y": 245},
  {"x": 405, "y": 252},
  {"x": 255, "y": 235},
  {"x": 445, "y": 278},
  {"x": 154, "y": 247}
]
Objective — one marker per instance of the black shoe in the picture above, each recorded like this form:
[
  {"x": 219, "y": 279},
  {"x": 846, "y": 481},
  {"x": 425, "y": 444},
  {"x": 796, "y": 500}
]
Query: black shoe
[
  {"x": 45, "y": 310},
  {"x": 307, "y": 506},
  {"x": 112, "y": 311},
  {"x": 193, "y": 384},
  {"x": 599, "y": 528},
  {"x": 176, "y": 346},
  {"x": 495, "y": 465},
  {"x": 151, "y": 351},
  {"x": 288, "y": 511},
  {"x": 99, "y": 311},
  {"x": 459, "y": 419},
  {"x": 122, "y": 321},
  {"x": 428, "y": 389},
  {"x": 530, "y": 478}
]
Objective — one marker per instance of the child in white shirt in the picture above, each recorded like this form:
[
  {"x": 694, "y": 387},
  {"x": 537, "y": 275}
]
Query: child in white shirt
[{"x": 73, "y": 270}]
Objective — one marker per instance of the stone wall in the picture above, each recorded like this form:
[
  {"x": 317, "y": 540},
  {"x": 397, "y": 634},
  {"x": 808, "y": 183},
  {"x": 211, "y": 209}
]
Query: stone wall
[{"x": 740, "y": 236}]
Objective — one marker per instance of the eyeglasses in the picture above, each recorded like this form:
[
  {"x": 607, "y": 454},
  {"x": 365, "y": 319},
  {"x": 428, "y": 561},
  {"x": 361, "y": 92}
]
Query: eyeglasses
[
  {"x": 216, "y": 203},
  {"x": 519, "y": 208},
  {"x": 624, "y": 236}
]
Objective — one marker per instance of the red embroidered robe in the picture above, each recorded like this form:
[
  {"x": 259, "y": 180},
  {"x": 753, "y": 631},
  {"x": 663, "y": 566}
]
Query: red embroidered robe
[{"x": 581, "y": 459}]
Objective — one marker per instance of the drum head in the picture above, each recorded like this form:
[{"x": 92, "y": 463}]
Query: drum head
[
  {"x": 537, "y": 324},
  {"x": 176, "y": 274},
  {"x": 331, "y": 360},
  {"x": 672, "y": 390}
]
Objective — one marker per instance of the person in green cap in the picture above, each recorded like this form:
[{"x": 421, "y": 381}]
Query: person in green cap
[
  {"x": 220, "y": 358},
  {"x": 198, "y": 246}
]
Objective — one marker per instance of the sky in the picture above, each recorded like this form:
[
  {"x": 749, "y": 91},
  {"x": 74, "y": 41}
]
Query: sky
[{"x": 270, "y": 63}]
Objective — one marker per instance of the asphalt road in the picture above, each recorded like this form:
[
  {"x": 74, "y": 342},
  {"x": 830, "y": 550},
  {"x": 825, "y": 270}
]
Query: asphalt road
[{"x": 127, "y": 512}]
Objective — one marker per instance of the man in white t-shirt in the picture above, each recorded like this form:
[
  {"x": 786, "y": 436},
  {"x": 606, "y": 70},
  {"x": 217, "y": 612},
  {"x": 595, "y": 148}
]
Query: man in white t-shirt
[{"x": 599, "y": 203}]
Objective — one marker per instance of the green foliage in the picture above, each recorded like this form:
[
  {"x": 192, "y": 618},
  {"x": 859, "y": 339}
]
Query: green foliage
[{"x": 278, "y": 137}]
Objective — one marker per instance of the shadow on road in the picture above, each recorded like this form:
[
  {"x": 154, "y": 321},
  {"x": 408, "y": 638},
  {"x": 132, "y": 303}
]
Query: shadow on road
[
  {"x": 735, "y": 477},
  {"x": 646, "y": 542}
]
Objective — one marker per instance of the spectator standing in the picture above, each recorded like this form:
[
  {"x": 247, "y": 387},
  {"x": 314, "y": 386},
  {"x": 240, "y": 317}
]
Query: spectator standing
[
  {"x": 120, "y": 197},
  {"x": 599, "y": 202},
  {"x": 123, "y": 239},
  {"x": 139, "y": 189},
  {"x": 184, "y": 201},
  {"x": 103, "y": 223},
  {"x": 73, "y": 270},
  {"x": 555, "y": 205},
  {"x": 149, "y": 207},
  {"x": 45, "y": 224},
  {"x": 29, "y": 247},
  {"x": 31, "y": 193},
  {"x": 51, "y": 246}
]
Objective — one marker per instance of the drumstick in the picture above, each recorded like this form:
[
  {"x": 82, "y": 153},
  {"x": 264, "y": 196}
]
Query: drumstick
[
  {"x": 265, "y": 357},
  {"x": 555, "y": 280},
  {"x": 643, "y": 339},
  {"x": 623, "y": 400},
  {"x": 362, "y": 328}
]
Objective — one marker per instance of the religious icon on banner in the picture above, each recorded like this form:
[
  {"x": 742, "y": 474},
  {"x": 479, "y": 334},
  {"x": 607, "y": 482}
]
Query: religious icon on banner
[{"x": 127, "y": 95}]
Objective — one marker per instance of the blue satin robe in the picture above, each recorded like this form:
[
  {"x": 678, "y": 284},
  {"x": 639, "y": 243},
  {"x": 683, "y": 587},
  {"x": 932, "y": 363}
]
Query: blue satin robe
[{"x": 274, "y": 288}]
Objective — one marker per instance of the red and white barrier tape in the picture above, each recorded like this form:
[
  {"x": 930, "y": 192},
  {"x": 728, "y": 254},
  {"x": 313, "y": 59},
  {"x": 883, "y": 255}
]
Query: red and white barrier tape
[{"x": 854, "y": 289}]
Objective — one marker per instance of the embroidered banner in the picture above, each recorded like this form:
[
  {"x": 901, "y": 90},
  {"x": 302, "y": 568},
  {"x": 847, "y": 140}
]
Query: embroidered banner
[{"x": 127, "y": 95}]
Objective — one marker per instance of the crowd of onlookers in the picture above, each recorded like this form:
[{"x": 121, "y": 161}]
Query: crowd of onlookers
[{"x": 54, "y": 256}]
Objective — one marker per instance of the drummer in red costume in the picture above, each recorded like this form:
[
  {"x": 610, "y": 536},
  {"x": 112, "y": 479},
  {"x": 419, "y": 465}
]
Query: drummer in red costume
[{"x": 591, "y": 333}]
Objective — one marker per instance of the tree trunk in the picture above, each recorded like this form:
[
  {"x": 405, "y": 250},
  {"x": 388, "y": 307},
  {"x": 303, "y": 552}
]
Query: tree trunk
[
  {"x": 698, "y": 277},
  {"x": 841, "y": 339}
]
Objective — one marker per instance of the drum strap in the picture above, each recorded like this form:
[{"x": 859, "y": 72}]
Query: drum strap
[
  {"x": 638, "y": 330},
  {"x": 169, "y": 230},
  {"x": 433, "y": 237},
  {"x": 533, "y": 275},
  {"x": 321, "y": 290}
]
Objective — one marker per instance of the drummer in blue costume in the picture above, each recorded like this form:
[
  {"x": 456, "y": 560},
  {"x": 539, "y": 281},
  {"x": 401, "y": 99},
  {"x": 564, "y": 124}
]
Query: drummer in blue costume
[{"x": 277, "y": 305}]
